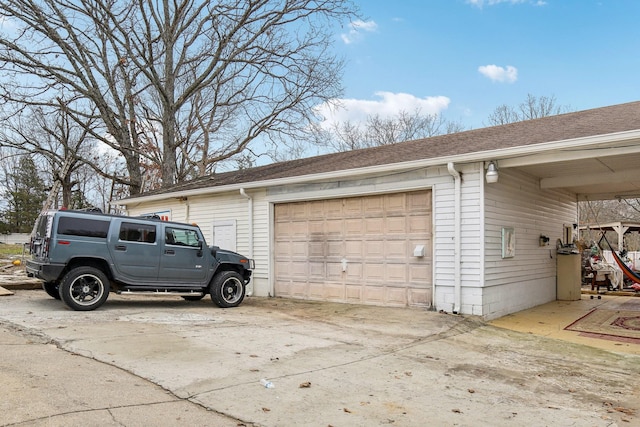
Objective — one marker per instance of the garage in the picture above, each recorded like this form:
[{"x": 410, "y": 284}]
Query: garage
[{"x": 371, "y": 250}]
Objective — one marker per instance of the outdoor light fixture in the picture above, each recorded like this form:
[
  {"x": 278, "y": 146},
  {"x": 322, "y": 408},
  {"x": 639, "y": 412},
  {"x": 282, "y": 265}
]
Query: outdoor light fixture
[{"x": 492, "y": 173}]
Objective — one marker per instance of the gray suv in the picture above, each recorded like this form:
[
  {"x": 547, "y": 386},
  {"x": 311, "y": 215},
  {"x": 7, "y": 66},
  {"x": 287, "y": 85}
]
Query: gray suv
[{"x": 81, "y": 256}]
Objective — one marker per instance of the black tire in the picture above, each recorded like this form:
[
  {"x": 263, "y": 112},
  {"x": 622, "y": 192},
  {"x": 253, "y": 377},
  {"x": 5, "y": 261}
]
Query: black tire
[
  {"x": 51, "y": 288},
  {"x": 227, "y": 289},
  {"x": 193, "y": 297},
  {"x": 84, "y": 288}
]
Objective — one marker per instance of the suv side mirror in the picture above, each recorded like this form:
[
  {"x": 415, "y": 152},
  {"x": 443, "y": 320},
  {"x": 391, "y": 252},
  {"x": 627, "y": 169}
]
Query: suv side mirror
[{"x": 200, "y": 246}]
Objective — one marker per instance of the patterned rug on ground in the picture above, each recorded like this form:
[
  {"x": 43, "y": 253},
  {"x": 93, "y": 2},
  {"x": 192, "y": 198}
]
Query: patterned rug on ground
[{"x": 612, "y": 323}]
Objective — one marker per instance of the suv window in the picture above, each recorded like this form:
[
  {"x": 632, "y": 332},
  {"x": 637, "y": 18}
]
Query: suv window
[
  {"x": 132, "y": 232},
  {"x": 74, "y": 226},
  {"x": 42, "y": 226},
  {"x": 181, "y": 237}
]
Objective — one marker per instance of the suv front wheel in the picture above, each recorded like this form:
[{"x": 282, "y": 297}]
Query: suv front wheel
[
  {"x": 227, "y": 289},
  {"x": 84, "y": 288}
]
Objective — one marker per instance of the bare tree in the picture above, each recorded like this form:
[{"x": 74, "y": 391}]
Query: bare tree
[
  {"x": 532, "y": 108},
  {"x": 54, "y": 141},
  {"x": 173, "y": 81},
  {"x": 377, "y": 130}
]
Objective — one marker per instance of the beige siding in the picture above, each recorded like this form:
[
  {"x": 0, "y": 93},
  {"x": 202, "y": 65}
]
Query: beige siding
[{"x": 356, "y": 249}]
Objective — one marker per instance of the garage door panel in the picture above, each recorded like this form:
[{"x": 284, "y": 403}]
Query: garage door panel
[
  {"x": 395, "y": 204},
  {"x": 354, "y": 249},
  {"x": 374, "y": 249},
  {"x": 418, "y": 296},
  {"x": 333, "y": 291},
  {"x": 317, "y": 270},
  {"x": 373, "y": 272},
  {"x": 298, "y": 269},
  {"x": 316, "y": 249},
  {"x": 354, "y": 227},
  {"x": 373, "y": 226},
  {"x": 334, "y": 271},
  {"x": 419, "y": 275},
  {"x": 419, "y": 224},
  {"x": 373, "y": 206},
  {"x": 335, "y": 249},
  {"x": 396, "y": 273},
  {"x": 298, "y": 211},
  {"x": 334, "y": 227},
  {"x": 331, "y": 209},
  {"x": 316, "y": 227},
  {"x": 290, "y": 249},
  {"x": 316, "y": 290},
  {"x": 395, "y": 225},
  {"x": 353, "y": 208},
  {"x": 353, "y": 294},
  {"x": 396, "y": 296},
  {"x": 283, "y": 249},
  {"x": 396, "y": 249},
  {"x": 297, "y": 229},
  {"x": 374, "y": 294},
  {"x": 281, "y": 211},
  {"x": 354, "y": 273},
  {"x": 375, "y": 235},
  {"x": 298, "y": 289},
  {"x": 417, "y": 203}
]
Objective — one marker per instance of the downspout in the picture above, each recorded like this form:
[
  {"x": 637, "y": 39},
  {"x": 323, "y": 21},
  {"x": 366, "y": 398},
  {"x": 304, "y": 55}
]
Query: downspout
[
  {"x": 457, "y": 245},
  {"x": 250, "y": 219}
]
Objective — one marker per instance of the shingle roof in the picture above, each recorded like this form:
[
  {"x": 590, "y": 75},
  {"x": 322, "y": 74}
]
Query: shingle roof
[{"x": 599, "y": 121}]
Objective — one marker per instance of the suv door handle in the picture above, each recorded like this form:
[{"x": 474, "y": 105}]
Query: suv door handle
[
  {"x": 121, "y": 247},
  {"x": 169, "y": 252}
]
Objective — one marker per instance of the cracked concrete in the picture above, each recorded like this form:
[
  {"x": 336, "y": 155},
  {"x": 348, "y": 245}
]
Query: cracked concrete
[{"x": 163, "y": 361}]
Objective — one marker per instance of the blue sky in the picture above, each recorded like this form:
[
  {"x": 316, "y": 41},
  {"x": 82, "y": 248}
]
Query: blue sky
[{"x": 464, "y": 58}]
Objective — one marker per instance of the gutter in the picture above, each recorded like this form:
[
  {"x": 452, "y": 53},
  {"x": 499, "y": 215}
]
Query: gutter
[
  {"x": 457, "y": 234},
  {"x": 250, "y": 221}
]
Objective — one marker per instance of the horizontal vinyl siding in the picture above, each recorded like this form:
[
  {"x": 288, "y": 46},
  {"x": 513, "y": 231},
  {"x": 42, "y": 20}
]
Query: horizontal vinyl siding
[
  {"x": 444, "y": 244},
  {"x": 205, "y": 210},
  {"x": 529, "y": 278}
]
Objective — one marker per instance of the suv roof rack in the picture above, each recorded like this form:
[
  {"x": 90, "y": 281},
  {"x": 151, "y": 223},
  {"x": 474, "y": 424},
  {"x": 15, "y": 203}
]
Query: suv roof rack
[{"x": 149, "y": 216}]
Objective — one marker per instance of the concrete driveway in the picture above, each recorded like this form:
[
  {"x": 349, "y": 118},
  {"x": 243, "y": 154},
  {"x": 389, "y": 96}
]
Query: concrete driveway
[{"x": 163, "y": 361}]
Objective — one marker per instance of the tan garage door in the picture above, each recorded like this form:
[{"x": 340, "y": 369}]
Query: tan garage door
[{"x": 358, "y": 249}]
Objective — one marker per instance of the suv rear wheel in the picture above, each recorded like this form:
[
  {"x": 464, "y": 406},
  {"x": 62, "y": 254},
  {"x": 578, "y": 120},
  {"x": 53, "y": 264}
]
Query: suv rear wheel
[
  {"x": 52, "y": 289},
  {"x": 84, "y": 288},
  {"x": 227, "y": 289}
]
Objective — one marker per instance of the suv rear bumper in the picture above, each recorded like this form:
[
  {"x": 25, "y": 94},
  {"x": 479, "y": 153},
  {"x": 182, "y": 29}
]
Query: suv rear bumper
[{"x": 44, "y": 271}]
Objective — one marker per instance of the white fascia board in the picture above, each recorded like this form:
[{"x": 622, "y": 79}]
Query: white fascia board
[
  {"x": 509, "y": 157},
  {"x": 572, "y": 149},
  {"x": 589, "y": 179}
]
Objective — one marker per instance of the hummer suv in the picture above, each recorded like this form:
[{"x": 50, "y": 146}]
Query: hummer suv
[{"x": 81, "y": 256}]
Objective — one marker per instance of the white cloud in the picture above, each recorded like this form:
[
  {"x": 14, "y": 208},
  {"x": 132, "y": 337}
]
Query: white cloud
[
  {"x": 499, "y": 74},
  {"x": 356, "y": 28},
  {"x": 388, "y": 105}
]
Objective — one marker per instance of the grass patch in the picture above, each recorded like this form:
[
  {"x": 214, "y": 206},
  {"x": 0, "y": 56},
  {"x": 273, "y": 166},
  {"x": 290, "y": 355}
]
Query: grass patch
[{"x": 8, "y": 250}]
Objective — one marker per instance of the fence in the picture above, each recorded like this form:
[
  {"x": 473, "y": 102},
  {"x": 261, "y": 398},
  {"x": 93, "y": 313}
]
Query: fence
[{"x": 14, "y": 238}]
